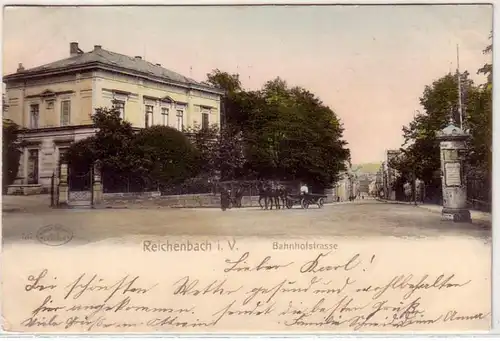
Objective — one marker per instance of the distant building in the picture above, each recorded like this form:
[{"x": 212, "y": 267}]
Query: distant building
[
  {"x": 347, "y": 185},
  {"x": 390, "y": 174},
  {"x": 53, "y": 103}
]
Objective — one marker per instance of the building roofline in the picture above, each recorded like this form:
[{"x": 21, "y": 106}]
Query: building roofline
[{"x": 105, "y": 67}]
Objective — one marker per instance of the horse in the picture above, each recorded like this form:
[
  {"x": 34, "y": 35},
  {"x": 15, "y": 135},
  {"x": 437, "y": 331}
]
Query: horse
[
  {"x": 271, "y": 196},
  {"x": 264, "y": 193},
  {"x": 283, "y": 194},
  {"x": 238, "y": 196}
]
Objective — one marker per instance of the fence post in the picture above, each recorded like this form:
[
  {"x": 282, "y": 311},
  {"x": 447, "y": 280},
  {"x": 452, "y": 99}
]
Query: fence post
[
  {"x": 96, "y": 185},
  {"x": 62, "y": 199},
  {"x": 52, "y": 191}
]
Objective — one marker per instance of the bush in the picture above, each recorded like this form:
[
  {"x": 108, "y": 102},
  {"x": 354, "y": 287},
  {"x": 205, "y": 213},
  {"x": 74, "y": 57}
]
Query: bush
[
  {"x": 11, "y": 152},
  {"x": 167, "y": 154}
]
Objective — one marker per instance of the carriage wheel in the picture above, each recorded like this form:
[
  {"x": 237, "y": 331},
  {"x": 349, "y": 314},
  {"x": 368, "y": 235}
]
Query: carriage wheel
[
  {"x": 321, "y": 202},
  {"x": 304, "y": 203},
  {"x": 289, "y": 203}
]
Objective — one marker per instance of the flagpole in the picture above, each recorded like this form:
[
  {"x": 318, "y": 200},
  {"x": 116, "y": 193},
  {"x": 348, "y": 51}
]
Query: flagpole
[{"x": 459, "y": 89}]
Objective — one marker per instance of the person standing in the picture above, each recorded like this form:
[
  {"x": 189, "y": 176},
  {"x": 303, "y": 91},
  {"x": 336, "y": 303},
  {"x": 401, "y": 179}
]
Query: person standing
[{"x": 225, "y": 199}]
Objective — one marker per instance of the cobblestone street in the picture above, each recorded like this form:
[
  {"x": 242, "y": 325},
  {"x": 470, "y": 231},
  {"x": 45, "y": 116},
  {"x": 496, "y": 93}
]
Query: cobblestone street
[{"x": 357, "y": 219}]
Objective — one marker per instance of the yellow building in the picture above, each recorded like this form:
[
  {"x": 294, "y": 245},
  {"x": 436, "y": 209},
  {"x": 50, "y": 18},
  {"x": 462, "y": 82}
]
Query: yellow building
[{"x": 53, "y": 103}]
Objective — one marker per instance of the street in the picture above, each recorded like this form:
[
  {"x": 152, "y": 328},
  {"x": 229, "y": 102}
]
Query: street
[
  {"x": 360, "y": 244},
  {"x": 363, "y": 218}
]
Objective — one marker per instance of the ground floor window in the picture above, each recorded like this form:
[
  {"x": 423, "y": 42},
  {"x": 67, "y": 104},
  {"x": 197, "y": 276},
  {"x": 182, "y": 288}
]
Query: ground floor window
[{"x": 32, "y": 166}]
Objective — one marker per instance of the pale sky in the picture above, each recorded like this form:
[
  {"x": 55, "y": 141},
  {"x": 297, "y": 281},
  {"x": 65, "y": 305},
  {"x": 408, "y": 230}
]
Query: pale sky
[{"x": 370, "y": 64}]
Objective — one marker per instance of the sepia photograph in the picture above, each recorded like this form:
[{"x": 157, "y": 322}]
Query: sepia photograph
[{"x": 247, "y": 169}]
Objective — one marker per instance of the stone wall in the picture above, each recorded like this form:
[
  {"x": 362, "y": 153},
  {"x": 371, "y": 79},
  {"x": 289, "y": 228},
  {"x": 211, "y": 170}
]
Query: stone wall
[{"x": 179, "y": 201}]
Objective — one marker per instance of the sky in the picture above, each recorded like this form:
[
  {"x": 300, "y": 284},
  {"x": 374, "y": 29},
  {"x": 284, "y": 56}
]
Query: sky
[{"x": 369, "y": 64}]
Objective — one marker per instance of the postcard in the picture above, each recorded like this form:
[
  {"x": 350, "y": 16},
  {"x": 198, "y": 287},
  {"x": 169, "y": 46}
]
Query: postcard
[{"x": 247, "y": 169}]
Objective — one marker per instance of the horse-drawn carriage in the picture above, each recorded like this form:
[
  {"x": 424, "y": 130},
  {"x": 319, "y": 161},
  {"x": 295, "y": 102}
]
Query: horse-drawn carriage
[
  {"x": 305, "y": 200},
  {"x": 271, "y": 195}
]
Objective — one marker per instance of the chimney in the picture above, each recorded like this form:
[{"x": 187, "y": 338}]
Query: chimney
[
  {"x": 20, "y": 68},
  {"x": 73, "y": 49},
  {"x": 138, "y": 57},
  {"x": 97, "y": 47}
]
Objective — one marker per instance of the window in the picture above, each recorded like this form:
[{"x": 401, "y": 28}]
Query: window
[
  {"x": 65, "y": 113},
  {"x": 120, "y": 106},
  {"x": 148, "y": 114},
  {"x": 34, "y": 115},
  {"x": 204, "y": 121},
  {"x": 32, "y": 166},
  {"x": 164, "y": 115},
  {"x": 180, "y": 120}
]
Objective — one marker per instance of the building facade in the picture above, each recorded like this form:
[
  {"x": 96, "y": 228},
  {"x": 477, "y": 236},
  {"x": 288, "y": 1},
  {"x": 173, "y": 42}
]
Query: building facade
[
  {"x": 390, "y": 174},
  {"x": 53, "y": 103},
  {"x": 347, "y": 186}
]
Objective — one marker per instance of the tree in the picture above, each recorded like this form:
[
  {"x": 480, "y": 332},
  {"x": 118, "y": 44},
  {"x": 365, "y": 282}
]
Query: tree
[
  {"x": 487, "y": 68},
  {"x": 151, "y": 156},
  {"x": 440, "y": 101},
  {"x": 291, "y": 135},
  {"x": 221, "y": 152},
  {"x": 231, "y": 114},
  {"x": 167, "y": 156},
  {"x": 11, "y": 151},
  {"x": 278, "y": 132},
  {"x": 480, "y": 120},
  {"x": 112, "y": 145}
]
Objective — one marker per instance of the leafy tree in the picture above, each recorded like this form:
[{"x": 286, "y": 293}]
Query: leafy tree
[
  {"x": 294, "y": 136},
  {"x": 206, "y": 143},
  {"x": 112, "y": 145},
  {"x": 487, "y": 68},
  {"x": 440, "y": 101},
  {"x": 166, "y": 154},
  {"x": 156, "y": 155},
  {"x": 231, "y": 114},
  {"x": 221, "y": 152},
  {"x": 480, "y": 121},
  {"x": 11, "y": 148},
  {"x": 282, "y": 133}
]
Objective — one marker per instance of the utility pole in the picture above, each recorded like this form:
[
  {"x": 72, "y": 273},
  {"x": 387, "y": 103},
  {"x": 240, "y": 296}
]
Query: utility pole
[
  {"x": 414, "y": 186},
  {"x": 459, "y": 90}
]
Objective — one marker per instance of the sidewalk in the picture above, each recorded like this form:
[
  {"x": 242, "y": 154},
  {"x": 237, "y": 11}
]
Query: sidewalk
[
  {"x": 25, "y": 203},
  {"x": 479, "y": 216}
]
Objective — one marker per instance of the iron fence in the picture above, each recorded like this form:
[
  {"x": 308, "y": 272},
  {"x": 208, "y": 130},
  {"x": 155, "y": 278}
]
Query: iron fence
[
  {"x": 117, "y": 183},
  {"x": 479, "y": 194},
  {"x": 79, "y": 180},
  {"x": 200, "y": 186}
]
